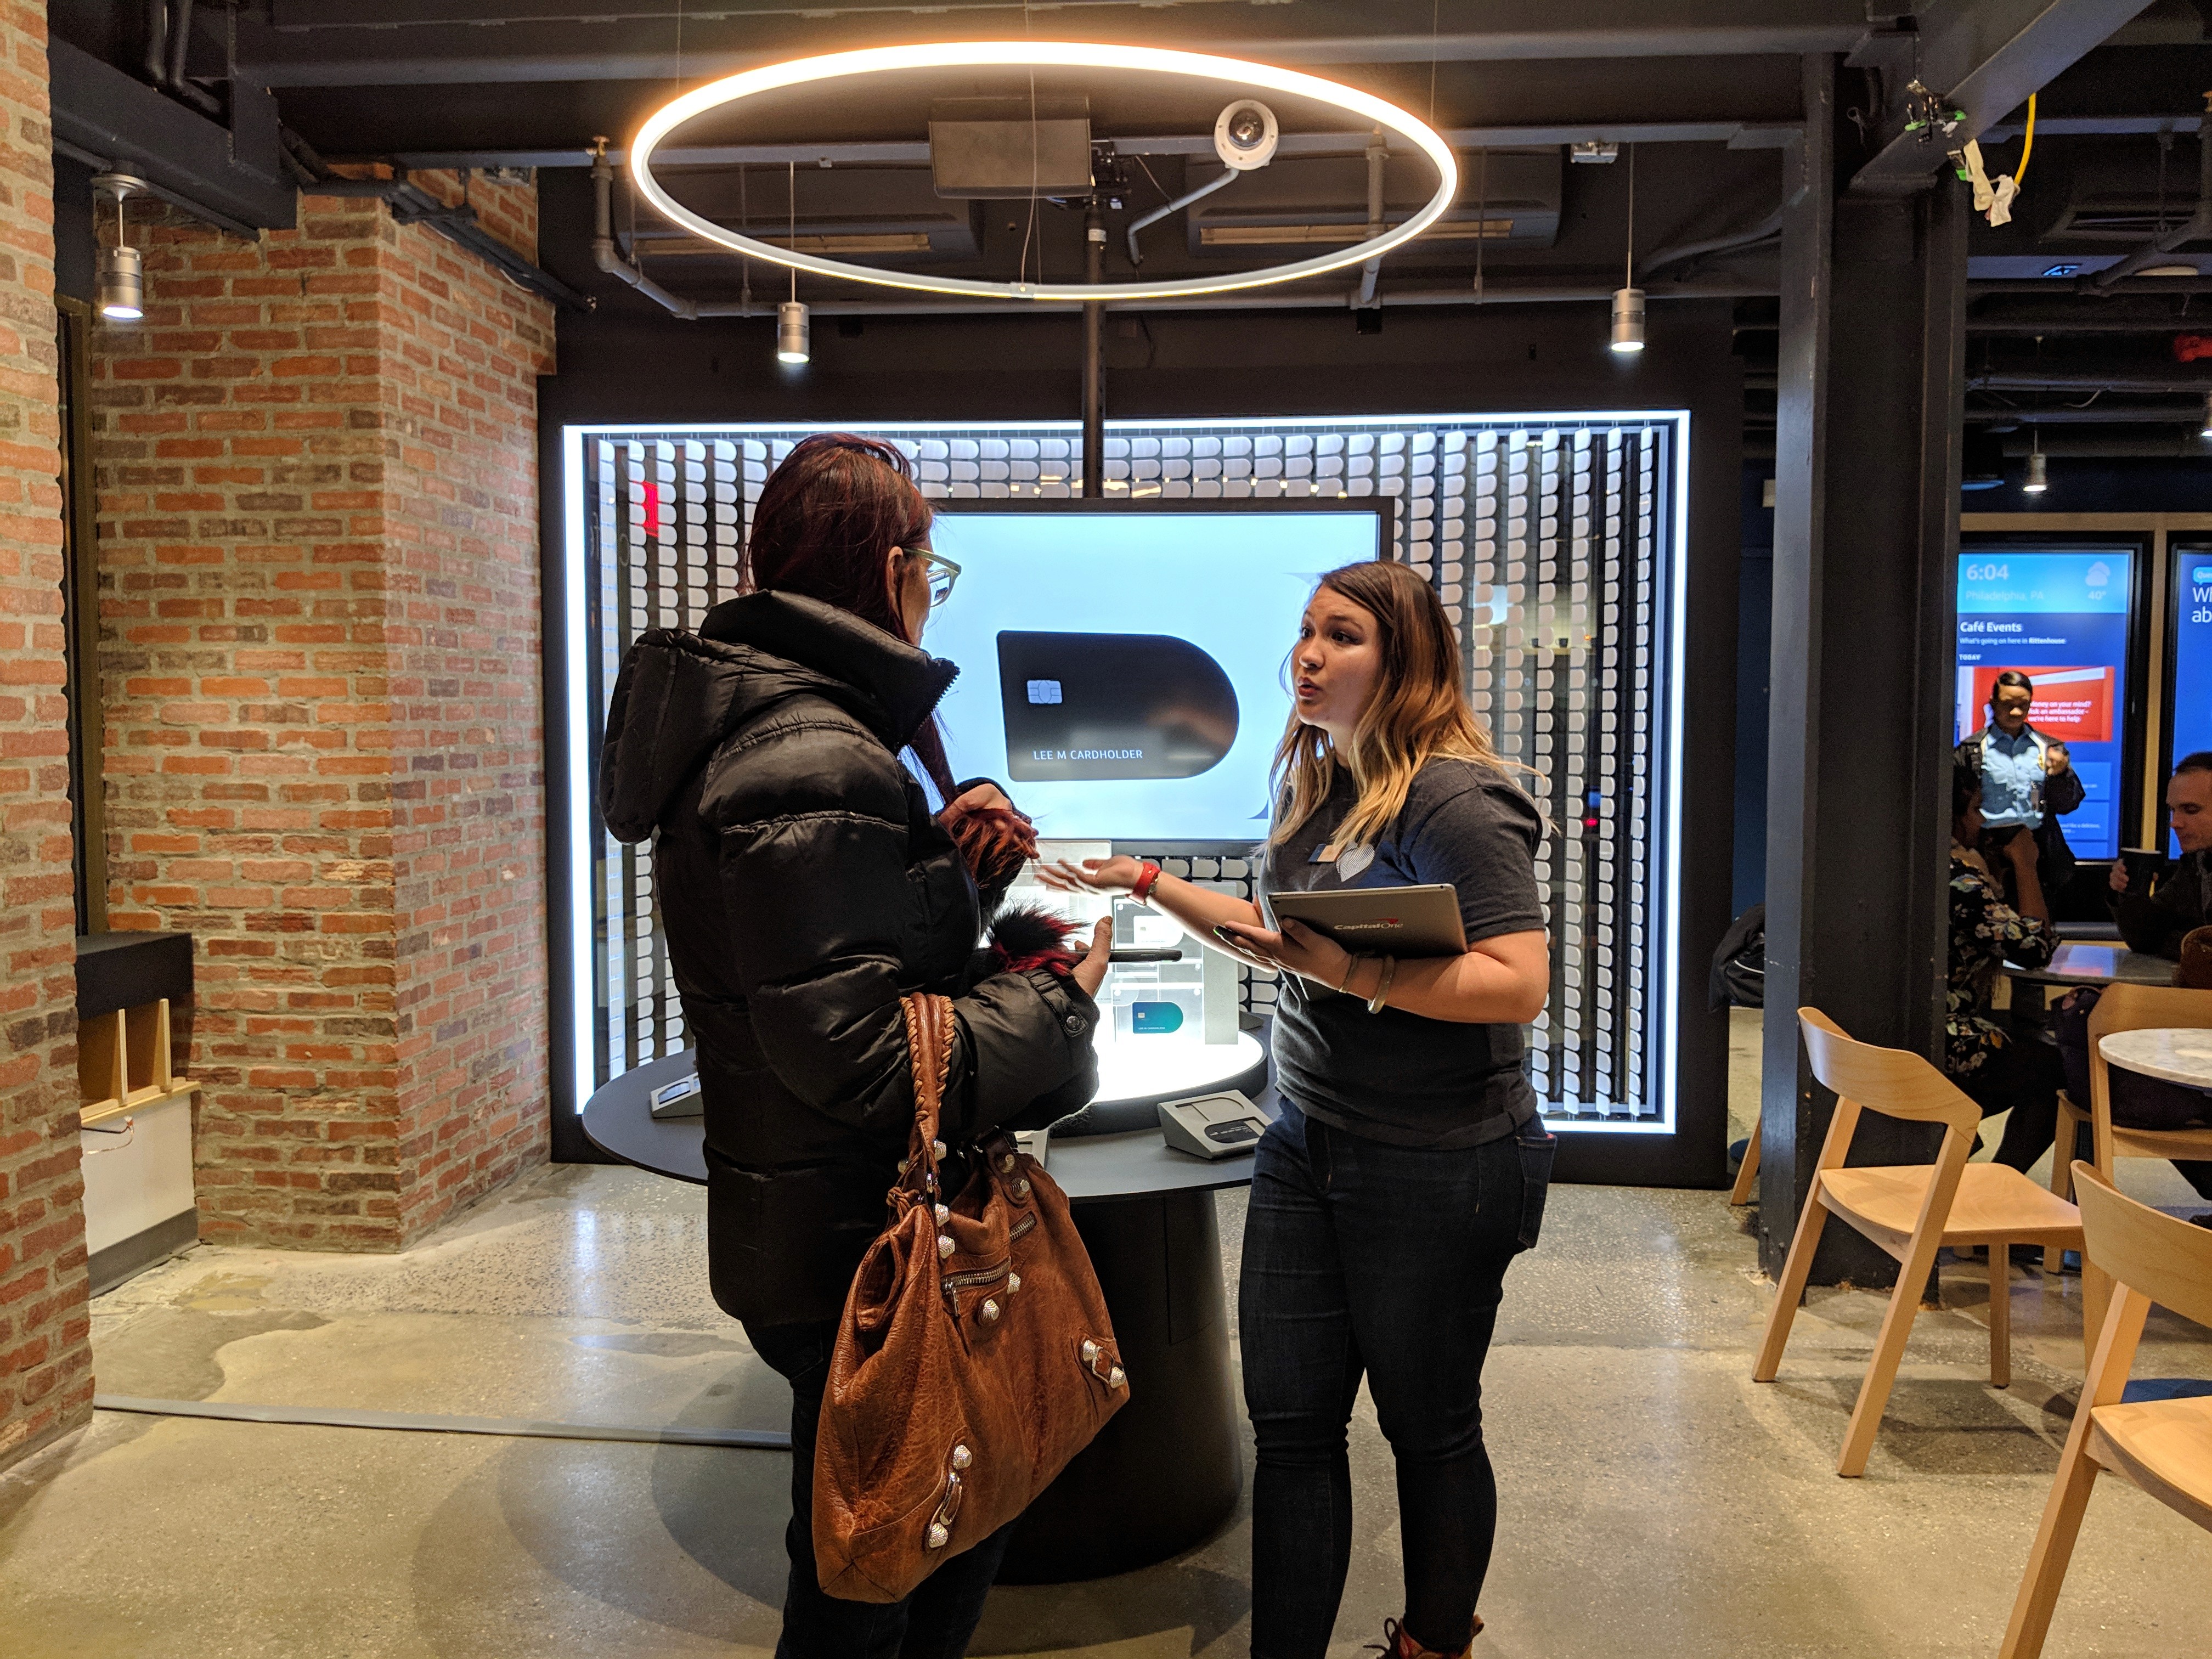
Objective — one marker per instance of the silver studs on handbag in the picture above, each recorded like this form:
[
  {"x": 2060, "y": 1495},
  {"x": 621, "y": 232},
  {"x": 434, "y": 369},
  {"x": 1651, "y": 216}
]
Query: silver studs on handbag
[{"x": 944, "y": 1244}]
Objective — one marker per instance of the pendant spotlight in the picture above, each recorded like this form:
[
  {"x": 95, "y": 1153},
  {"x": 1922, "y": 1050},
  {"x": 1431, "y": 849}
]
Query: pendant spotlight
[
  {"x": 1628, "y": 299},
  {"x": 2038, "y": 474},
  {"x": 793, "y": 340},
  {"x": 121, "y": 273},
  {"x": 1089, "y": 58},
  {"x": 2206, "y": 432},
  {"x": 790, "y": 333}
]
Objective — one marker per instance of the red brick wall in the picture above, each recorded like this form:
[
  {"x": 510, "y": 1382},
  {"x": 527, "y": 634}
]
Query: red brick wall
[
  {"x": 45, "y": 1361},
  {"x": 320, "y": 644}
]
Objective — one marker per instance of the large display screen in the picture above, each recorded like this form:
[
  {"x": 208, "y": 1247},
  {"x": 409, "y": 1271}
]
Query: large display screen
[
  {"x": 2059, "y": 616},
  {"x": 2192, "y": 721},
  {"x": 1121, "y": 664}
]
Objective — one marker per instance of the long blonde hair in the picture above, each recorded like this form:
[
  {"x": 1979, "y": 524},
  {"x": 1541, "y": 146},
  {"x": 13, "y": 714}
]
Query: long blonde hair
[{"x": 1418, "y": 711}]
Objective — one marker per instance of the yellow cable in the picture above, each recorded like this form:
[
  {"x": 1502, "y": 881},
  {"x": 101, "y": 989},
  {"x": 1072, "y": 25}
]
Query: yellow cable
[{"x": 2028, "y": 147}]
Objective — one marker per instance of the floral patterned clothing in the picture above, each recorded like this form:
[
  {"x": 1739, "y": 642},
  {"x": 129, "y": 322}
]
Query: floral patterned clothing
[{"x": 1985, "y": 934}]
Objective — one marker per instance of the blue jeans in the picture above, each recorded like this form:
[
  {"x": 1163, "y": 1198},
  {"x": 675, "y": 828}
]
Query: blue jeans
[
  {"x": 938, "y": 1620},
  {"x": 1387, "y": 1261}
]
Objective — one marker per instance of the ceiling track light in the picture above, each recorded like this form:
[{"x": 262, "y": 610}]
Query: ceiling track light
[
  {"x": 1363, "y": 108},
  {"x": 1628, "y": 299},
  {"x": 121, "y": 272},
  {"x": 2038, "y": 474},
  {"x": 2206, "y": 432}
]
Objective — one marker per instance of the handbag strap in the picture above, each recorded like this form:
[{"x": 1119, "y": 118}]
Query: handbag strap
[{"x": 929, "y": 1034}]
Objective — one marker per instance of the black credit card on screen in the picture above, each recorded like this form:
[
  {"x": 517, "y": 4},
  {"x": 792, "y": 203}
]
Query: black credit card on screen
[{"x": 1085, "y": 706}]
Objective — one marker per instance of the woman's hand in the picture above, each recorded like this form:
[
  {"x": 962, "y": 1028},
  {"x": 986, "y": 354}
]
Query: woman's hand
[
  {"x": 1297, "y": 949},
  {"x": 1090, "y": 972},
  {"x": 982, "y": 797},
  {"x": 1113, "y": 875},
  {"x": 2117, "y": 880},
  {"x": 2055, "y": 760}
]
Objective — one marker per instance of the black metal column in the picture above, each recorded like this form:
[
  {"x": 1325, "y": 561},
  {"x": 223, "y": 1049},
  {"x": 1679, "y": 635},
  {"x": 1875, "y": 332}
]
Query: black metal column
[
  {"x": 1866, "y": 538},
  {"x": 1094, "y": 394}
]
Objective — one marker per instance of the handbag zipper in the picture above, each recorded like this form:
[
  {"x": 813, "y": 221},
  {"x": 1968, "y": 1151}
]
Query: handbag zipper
[{"x": 976, "y": 1276}]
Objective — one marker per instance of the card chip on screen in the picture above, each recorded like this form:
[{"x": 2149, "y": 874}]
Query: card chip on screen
[{"x": 1043, "y": 692}]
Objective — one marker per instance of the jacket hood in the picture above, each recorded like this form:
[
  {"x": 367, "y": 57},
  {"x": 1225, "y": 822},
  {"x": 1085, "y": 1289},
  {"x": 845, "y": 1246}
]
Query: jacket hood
[{"x": 680, "y": 694}]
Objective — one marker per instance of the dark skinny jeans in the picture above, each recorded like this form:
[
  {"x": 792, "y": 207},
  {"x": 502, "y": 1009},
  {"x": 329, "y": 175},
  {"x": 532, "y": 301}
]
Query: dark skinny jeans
[
  {"x": 938, "y": 1620},
  {"x": 1388, "y": 1261}
]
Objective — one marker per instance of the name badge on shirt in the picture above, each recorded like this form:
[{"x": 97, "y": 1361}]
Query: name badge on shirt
[{"x": 1349, "y": 863}]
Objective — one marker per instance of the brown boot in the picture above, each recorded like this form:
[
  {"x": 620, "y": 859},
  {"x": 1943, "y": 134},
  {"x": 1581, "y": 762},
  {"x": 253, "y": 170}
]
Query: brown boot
[{"x": 1399, "y": 1644}]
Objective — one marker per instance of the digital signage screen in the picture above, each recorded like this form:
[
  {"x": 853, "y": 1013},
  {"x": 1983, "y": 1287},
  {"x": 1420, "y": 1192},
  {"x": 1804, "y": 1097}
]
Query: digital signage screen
[
  {"x": 1120, "y": 664},
  {"x": 2060, "y": 617},
  {"x": 2192, "y": 721}
]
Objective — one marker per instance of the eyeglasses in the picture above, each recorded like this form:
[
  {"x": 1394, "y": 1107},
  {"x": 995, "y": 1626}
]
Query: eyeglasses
[{"x": 943, "y": 573}]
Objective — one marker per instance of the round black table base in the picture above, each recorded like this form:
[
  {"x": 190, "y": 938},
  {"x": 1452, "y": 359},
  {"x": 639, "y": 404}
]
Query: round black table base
[{"x": 1164, "y": 1474}]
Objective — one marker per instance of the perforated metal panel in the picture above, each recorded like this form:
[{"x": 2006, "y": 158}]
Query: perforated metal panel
[{"x": 1551, "y": 542}]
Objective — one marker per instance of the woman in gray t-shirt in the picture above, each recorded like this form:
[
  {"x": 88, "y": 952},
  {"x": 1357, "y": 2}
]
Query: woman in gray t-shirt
[{"x": 1409, "y": 1166}]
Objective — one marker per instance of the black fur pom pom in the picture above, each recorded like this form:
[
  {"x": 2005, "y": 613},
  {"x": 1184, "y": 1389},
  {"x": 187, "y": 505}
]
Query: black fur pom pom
[{"x": 1032, "y": 937}]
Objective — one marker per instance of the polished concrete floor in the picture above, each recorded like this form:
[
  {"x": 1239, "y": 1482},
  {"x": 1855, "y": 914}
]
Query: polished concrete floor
[{"x": 1655, "y": 1500}]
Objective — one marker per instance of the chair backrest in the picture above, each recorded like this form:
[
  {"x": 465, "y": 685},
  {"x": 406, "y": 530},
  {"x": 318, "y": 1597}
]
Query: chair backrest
[
  {"x": 2168, "y": 1261},
  {"x": 1885, "y": 1080},
  {"x": 2124, "y": 1008}
]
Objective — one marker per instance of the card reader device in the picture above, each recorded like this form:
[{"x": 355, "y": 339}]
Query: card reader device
[
  {"x": 1220, "y": 1125},
  {"x": 678, "y": 1099}
]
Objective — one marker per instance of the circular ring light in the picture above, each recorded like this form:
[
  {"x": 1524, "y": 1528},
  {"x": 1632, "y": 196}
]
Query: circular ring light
[{"x": 1042, "y": 54}]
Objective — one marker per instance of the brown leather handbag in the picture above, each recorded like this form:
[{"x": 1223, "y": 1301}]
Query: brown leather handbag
[{"x": 975, "y": 1358}]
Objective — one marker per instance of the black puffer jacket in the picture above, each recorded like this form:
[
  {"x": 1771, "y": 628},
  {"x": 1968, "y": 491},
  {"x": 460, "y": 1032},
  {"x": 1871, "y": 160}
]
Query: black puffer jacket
[{"x": 804, "y": 887}]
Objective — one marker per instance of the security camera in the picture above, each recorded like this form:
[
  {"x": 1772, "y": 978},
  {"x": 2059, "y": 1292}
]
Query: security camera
[{"x": 1244, "y": 137}]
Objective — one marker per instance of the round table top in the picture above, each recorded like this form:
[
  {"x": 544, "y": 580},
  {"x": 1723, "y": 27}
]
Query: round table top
[
  {"x": 2182, "y": 1055},
  {"x": 2078, "y": 963},
  {"x": 1090, "y": 1169}
]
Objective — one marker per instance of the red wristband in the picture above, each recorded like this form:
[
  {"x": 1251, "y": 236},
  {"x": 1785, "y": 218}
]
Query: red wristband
[{"x": 1145, "y": 877}]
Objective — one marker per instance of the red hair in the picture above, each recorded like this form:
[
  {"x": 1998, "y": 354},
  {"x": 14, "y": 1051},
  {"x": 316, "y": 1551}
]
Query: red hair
[{"x": 825, "y": 520}]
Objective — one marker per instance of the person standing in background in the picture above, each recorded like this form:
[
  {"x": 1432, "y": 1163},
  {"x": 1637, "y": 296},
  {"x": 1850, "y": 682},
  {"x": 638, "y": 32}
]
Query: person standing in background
[{"x": 2028, "y": 783}]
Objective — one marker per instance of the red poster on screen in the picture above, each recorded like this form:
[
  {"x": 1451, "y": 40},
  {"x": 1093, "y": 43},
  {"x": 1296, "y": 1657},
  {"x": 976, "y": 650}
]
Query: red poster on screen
[{"x": 2074, "y": 705}]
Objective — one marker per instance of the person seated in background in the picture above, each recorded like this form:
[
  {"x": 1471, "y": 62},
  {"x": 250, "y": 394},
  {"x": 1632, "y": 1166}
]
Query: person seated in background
[
  {"x": 2029, "y": 783},
  {"x": 2155, "y": 921},
  {"x": 1997, "y": 1071},
  {"x": 2138, "y": 1102}
]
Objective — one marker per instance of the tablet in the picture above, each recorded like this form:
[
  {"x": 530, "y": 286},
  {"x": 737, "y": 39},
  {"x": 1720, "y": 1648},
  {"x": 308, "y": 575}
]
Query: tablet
[{"x": 1399, "y": 922}]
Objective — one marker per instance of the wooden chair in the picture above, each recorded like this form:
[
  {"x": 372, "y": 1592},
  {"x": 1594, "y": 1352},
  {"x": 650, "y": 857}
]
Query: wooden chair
[
  {"x": 1747, "y": 1174},
  {"x": 2164, "y": 1446},
  {"x": 2122, "y": 1007},
  {"x": 1910, "y": 1210}
]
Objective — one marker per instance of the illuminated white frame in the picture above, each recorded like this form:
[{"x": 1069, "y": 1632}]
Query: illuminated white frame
[
  {"x": 1043, "y": 54},
  {"x": 1665, "y": 1057}
]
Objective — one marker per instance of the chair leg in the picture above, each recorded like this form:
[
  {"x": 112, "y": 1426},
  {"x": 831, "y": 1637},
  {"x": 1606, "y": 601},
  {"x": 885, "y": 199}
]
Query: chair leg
[
  {"x": 2054, "y": 1549},
  {"x": 2000, "y": 1315},
  {"x": 2062, "y": 1171},
  {"x": 1888, "y": 1352},
  {"x": 1747, "y": 1174},
  {"x": 1791, "y": 1290}
]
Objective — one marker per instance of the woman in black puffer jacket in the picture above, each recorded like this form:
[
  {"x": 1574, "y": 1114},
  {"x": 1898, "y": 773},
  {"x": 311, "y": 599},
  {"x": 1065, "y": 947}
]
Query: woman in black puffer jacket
[{"x": 803, "y": 886}]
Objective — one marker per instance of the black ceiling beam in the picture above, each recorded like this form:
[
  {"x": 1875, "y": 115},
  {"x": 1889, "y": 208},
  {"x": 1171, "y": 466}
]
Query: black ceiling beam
[
  {"x": 231, "y": 176},
  {"x": 1983, "y": 57},
  {"x": 332, "y": 43}
]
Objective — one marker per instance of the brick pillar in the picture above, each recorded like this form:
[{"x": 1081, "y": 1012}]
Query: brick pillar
[
  {"x": 321, "y": 639},
  {"x": 46, "y": 1358}
]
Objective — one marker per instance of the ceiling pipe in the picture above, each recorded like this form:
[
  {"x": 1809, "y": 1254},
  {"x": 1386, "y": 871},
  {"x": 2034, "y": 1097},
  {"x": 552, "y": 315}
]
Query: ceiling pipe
[
  {"x": 605, "y": 257},
  {"x": 1175, "y": 206},
  {"x": 1372, "y": 269},
  {"x": 2061, "y": 380},
  {"x": 1766, "y": 230},
  {"x": 2198, "y": 225},
  {"x": 2191, "y": 415}
]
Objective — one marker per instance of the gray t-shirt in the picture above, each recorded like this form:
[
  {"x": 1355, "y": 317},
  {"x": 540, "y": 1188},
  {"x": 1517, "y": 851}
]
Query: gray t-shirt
[{"x": 1393, "y": 1076}]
